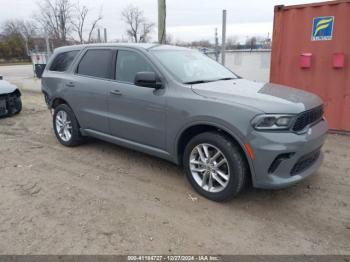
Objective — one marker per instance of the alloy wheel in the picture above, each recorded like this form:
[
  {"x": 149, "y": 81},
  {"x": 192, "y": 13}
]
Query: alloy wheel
[
  {"x": 209, "y": 168},
  {"x": 63, "y": 126}
]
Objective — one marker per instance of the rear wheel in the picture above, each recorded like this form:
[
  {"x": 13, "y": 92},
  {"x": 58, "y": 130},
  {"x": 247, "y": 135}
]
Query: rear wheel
[
  {"x": 66, "y": 126},
  {"x": 215, "y": 166}
]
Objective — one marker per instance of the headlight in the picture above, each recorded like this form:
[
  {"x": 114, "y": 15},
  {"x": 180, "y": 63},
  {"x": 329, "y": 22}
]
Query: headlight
[{"x": 272, "y": 122}]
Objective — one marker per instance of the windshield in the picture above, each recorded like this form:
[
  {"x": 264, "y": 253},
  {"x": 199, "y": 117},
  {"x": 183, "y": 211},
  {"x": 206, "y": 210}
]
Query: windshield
[{"x": 191, "y": 67}]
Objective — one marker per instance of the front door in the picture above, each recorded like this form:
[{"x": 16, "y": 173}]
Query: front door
[{"x": 137, "y": 114}]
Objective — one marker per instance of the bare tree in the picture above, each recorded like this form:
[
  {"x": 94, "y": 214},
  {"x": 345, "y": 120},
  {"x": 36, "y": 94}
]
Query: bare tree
[
  {"x": 93, "y": 27},
  {"x": 26, "y": 29},
  {"x": 139, "y": 28},
  {"x": 169, "y": 39},
  {"x": 202, "y": 43},
  {"x": 251, "y": 42},
  {"x": 147, "y": 28},
  {"x": 56, "y": 17},
  {"x": 79, "y": 23}
]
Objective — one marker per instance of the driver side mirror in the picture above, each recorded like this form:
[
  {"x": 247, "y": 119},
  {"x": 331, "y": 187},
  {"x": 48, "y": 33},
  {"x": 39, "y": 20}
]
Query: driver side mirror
[{"x": 147, "y": 79}]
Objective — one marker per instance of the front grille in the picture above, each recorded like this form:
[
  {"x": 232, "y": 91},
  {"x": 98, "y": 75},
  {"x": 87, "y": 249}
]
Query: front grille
[
  {"x": 305, "y": 162},
  {"x": 308, "y": 117}
]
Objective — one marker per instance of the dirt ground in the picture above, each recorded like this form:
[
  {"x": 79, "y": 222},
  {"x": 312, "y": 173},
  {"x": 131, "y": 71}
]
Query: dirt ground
[{"x": 103, "y": 199}]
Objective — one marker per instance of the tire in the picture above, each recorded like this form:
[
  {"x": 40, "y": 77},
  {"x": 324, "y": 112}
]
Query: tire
[
  {"x": 234, "y": 166},
  {"x": 75, "y": 137},
  {"x": 18, "y": 107}
]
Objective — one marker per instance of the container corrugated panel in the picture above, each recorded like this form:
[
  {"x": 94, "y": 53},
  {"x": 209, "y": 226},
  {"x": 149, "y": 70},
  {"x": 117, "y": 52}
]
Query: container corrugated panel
[{"x": 320, "y": 31}]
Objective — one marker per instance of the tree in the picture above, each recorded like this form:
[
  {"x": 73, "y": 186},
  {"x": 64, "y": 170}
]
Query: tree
[
  {"x": 139, "y": 28},
  {"x": 16, "y": 26},
  {"x": 202, "y": 43},
  {"x": 169, "y": 39},
  {"x": 79, "y": 23},
  {"x": 66, "y": 20},
  {"x": 12, "y": 45},
  {"x": 18, "y": 35},
  {"x": 55, "y": 18},
  {"x": 251, "y": 43}
]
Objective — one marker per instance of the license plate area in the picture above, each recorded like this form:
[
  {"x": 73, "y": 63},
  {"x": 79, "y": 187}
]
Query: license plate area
[{"x": 3, "y": 109}]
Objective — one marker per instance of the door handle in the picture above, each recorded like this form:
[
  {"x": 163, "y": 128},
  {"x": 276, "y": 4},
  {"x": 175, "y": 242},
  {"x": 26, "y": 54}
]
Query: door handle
[
  {"x": 70, "y": 84},
  {"x": 116, "y": 93}
]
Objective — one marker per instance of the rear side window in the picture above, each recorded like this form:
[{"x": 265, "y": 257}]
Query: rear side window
[
  {"x": 97, "y": 63},
  {"x": 63, "y": 60},
  {"x": 128, "y": 64}
]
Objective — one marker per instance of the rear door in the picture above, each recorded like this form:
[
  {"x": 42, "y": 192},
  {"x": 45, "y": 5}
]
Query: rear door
[
  {"x": 90, "y": 84},
  {"x": 137, "y": 113}
]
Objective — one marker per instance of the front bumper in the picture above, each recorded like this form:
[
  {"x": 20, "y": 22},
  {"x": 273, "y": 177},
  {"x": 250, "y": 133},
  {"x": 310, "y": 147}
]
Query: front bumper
[{"x": 283, "y": 158}]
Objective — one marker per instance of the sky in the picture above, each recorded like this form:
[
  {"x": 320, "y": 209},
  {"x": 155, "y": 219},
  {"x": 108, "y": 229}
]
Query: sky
[{"x": 187, "y": 20}]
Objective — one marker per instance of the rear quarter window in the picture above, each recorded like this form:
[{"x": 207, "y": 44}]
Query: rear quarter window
[{"x": 63, "y": 60}]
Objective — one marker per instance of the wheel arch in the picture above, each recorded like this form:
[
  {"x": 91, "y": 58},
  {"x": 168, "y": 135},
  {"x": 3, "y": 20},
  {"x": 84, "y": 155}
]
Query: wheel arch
[
  {"x": 17, "y": 92},
  {"x": 192, "y": 130},
  {"x": 58, "y": 101}
]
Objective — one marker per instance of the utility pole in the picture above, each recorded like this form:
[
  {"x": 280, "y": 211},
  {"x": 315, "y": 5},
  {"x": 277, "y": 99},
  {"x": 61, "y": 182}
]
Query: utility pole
[
  {"x": 216, "y": 45},
  {"x": 99, "y": 35},
  {"x": 47, "y": 43},
  {"x": 223, "y": 43},
  {"x": 161, "y": 21},
  {"x": 105, "y": 34}
]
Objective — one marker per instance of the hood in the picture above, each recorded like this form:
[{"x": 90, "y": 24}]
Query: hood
[
  {"x": 269, "y": 98},
  {"x": 6, "y": 87}
]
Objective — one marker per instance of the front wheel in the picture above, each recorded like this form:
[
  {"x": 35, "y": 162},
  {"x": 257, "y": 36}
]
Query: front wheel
[
  {"x": 66, "y": 126},
  {"x": 215, "y": 166},
  {"x": 16, "y": 104}
]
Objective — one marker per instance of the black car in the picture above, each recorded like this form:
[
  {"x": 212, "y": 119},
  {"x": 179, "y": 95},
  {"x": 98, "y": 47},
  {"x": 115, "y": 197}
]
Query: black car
[{"x": 10, "y": 99}]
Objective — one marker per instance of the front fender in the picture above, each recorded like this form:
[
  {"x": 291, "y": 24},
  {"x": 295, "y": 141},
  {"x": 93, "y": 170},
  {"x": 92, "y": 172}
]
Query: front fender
[
  {"x": 235, "y": 133},
  {"x": 213, "y": 122}
]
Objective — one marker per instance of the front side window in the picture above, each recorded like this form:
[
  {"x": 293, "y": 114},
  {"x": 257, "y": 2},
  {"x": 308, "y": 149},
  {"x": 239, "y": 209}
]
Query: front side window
[
  {"x": 189, "y": 66},
  {"x": 128, "y": 64},
  {"x": 97, "y": 63},
  {"x": 63, "y": 60}
]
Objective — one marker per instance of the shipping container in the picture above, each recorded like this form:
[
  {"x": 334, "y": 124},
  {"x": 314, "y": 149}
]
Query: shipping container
[{"x": 311, "y": 51}]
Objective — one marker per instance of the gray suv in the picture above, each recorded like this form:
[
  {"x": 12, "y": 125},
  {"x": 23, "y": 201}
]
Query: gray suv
[{"x": 180, "y": 105}]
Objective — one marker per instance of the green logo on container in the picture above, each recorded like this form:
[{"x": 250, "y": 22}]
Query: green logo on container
[{"x": 322, "y": 28}]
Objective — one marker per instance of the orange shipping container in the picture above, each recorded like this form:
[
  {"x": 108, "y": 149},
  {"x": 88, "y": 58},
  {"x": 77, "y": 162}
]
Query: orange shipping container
[{"x": 311, "y": 51}]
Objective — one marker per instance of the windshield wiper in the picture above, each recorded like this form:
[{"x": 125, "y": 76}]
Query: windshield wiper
[
  {"x": 225, "y": 78},
  {"x": 197, "y": 82},
  {"x": 207, "y": 81}
]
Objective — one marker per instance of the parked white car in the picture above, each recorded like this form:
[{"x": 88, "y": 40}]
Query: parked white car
[{"x": 10, "y": 99}]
